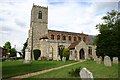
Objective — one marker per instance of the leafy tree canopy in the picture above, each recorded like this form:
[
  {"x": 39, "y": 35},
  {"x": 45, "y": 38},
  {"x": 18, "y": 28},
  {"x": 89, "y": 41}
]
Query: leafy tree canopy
[
  {"x": 66, "y": 53},
  {"x": 13, "y": 52},
  {"x": 108, "y": 40},
  {"x": 7, "y": 46}
]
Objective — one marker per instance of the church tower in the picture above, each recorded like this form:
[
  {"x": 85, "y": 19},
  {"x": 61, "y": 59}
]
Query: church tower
[
  {"x": 39, "y": 22},
  {"x": 38, "y": 26}
]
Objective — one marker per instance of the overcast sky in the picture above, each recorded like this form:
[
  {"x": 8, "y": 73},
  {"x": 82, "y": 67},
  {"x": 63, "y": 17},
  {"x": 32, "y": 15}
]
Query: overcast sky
[{"x": 64, "y": 15}]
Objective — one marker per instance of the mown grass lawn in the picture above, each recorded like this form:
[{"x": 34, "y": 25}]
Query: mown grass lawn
[
  {"x": 98, "y": 70},
  {"x": 14, "y": 68}
]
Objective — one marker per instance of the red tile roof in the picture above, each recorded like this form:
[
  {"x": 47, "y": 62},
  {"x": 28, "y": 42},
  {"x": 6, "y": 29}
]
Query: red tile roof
[{"x": 72, "y": 46}]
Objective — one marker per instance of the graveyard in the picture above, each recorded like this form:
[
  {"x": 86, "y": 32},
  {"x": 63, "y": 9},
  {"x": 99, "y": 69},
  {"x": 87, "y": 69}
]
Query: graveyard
[
  {"x": 99, "y": 70},
  {"x": 14, "y": 68},
  {"x": 58, "y": 54}
]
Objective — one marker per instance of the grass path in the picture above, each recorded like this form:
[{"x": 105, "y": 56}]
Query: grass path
[{"x": 44, "y": 71}]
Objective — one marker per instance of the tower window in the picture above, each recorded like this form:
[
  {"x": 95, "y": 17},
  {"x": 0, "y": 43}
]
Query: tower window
[
  {"x": 52, "y": 37},
  {"x": 40, "y": 15},
  {"x": 74, "y": 38},
  {"x": 69, "y": 38},
  {"x": 64, "y": 37},
  {"x": 58, "y": 37}
]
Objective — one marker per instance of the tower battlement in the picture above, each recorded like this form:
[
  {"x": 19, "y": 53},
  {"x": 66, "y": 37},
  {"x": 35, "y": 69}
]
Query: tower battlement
[{"x": 40, "y": 6}]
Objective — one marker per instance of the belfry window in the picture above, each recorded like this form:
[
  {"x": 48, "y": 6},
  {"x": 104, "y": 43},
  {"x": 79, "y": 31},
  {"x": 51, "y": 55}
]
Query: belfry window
[
  {"x": 52, "y": 37},
  {"x": 40, "y": 15}
]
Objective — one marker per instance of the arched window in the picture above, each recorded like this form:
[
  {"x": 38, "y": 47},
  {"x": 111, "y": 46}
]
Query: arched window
[
  {"x": 64, "y": 37},
  {"x": 52, "y": 37},
  {"x": 84, "y": 39},
  {"x": 40, "y": 15},
  {"x": 58, "y": 37},
  {"x": 79, "y": 38},
  {"x": 90, "y": 50},
  {"x": 69, "y": 38},
  {"x": 74, "y": 38}
]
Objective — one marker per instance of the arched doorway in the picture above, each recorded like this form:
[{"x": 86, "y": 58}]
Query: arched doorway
[{"x": 81, "y": 54}]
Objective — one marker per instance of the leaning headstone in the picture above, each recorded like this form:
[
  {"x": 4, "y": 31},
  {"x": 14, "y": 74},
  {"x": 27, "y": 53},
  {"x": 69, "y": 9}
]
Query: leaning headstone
[
  {"x": 64, "y": 59},
  {"x": 107, "y": 61},
  {"x": 115, "y": 60},
  {"x": 27, "y": 56},
  {"x": 86, "y": 74}
]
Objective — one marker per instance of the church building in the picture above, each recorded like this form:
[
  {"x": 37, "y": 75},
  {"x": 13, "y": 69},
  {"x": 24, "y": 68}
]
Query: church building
[{"x": 49, "y": 41}]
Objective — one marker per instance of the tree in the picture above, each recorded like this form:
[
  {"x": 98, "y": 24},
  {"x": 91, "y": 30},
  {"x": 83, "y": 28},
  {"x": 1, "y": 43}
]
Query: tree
[
  {"x": 24, "y": 47},
  {"x": 13, "y": 52},
  {"x": 66, "y": 53},
  {"x": 108, "y": 40},
  {"x": 61, "y": 53},
  {"x": 7, "y": 46}
]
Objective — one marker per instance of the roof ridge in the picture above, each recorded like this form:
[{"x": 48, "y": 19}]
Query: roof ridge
[{"x": 66, "y": 32}]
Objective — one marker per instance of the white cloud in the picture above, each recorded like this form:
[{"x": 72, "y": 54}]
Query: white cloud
[{"x": 65, "y": 15}]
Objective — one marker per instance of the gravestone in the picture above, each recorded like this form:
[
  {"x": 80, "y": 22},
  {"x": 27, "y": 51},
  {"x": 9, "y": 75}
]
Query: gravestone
[
  {"x": 64, "y": 59},
  {"x": 95, "y": 58},
  {"x": 27, "y": 56},
  {"x": 39, "y": 58},
  {"x": 85, "y": 74},
  {"x": 98, "y": 60},
  {"x": 50, "y": 56},
  {"x": 107, "y": 61},
  {"x": 58, "y": 58},
  {"x": 115, "y": 60}
]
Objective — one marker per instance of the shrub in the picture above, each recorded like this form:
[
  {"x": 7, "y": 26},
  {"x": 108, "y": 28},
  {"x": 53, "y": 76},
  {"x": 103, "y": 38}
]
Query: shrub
[
  {"x": 36, "y": 53},
  {"x": 75, "y": 72},
  {"x": 66, "y": 53},
  {"x": 13, "y": 52}
]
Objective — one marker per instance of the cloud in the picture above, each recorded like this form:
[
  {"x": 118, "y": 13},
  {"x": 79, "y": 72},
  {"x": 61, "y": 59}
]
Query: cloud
[
  {"x": 65, "y": 15},
  {"x": 70, "y": 17},
  {"x": 15, "y": 20},
  {"x": 20, "y": 23},
  {"x": 4, "y": 28}
]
